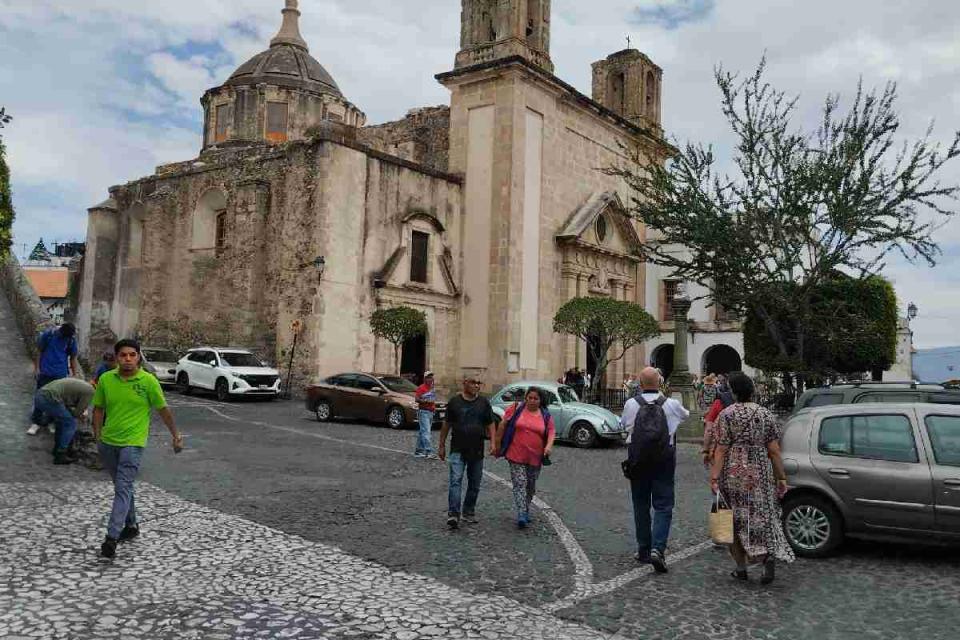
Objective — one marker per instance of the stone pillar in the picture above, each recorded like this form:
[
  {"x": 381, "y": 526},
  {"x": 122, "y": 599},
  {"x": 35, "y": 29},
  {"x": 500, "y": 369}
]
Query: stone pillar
[{"x": 681, "y": 387}]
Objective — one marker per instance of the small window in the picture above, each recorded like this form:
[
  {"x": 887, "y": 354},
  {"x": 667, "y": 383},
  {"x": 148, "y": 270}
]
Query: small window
[
  {"x": 367, "y": 383},
  {"x": 221, "y": 235},
  {"x": 418, "y": 256},
  {"x": 276, "y": 122},
  {"x": 876, "y": 437},
  {"x": 889, "y": 397},
  {"x": 601, "y": 229},
  {"x": 825, "y": 399},
  {"x": 944, "y": 432},
  {"x": 222, "y": 122},
  {"x": 669, "y": 291}
]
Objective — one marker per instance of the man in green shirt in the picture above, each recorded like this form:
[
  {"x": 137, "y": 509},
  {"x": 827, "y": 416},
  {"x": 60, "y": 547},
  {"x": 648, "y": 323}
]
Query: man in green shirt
[
  {"x": 62, "y": 402},
  {"x": 126, "y": 395}
]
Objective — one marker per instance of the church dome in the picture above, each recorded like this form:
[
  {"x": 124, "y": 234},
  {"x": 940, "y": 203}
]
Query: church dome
[{"x": 285, "y": 65}]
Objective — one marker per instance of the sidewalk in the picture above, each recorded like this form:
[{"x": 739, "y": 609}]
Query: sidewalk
[{"x": 196, "y": 572}]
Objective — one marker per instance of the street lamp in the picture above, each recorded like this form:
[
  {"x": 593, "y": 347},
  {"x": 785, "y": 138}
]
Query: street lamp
[{"x": 911, "y": 311}]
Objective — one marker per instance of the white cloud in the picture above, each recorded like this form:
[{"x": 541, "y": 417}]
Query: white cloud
[{"x": 103, "y": 90}]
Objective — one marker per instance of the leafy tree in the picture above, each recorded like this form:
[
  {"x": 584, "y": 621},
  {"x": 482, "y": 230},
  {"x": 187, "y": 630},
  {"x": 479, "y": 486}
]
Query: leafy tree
[
  {"x": 396, "y": 325},
  {"x": 6, "y": 198},
  {"x": 605, "y": 324},
  {"x": 40, "y": 251},
  {"x": 800, "y": 207},
  {"x": 856, "y": 331}
]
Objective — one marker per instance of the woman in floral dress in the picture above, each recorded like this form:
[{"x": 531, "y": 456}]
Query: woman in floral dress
[{"x": 748, "y": 472}]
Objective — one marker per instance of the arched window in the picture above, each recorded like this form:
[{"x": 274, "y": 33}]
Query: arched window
[
  {"x": 651, "y": 95},
  {"x": 205, "y": 232}
]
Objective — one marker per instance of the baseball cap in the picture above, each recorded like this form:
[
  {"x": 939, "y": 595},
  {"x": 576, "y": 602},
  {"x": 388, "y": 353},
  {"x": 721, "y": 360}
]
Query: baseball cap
[{"x": 428, "y": 374}]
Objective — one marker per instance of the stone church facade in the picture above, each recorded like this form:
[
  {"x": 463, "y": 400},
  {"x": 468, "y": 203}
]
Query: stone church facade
[{"x": 487, "y": 215}]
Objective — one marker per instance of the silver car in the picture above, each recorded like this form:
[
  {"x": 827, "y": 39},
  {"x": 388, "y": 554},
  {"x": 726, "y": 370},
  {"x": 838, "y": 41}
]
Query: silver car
[
  {"x": 884, "y": 471},
  {"x": 585, "y": 425}
]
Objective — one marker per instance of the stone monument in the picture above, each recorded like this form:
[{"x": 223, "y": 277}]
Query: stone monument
[{"x": 681, "y": 384}]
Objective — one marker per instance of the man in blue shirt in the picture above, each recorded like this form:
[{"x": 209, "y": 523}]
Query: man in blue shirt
[{"x": 56, "y": 359}]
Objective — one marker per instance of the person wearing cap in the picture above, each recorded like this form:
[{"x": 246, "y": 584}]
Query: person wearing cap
[
  {"x": 427, "y": 401},
  {"x": 56, "y": 359}
]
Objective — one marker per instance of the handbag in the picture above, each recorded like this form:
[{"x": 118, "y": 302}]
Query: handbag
[{"x": 720, "y": 521}]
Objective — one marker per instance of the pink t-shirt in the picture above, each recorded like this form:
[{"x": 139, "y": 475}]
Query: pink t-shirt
[{"x": 527, "y": 444}]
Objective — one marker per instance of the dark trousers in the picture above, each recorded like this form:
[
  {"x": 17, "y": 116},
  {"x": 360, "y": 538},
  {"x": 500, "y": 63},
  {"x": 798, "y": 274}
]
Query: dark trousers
[
  {"x": 37, "y": 417},
  {"x": 654, "y": 488}
]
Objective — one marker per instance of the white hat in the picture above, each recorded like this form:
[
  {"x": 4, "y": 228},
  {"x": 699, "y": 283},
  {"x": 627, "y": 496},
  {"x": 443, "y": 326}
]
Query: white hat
[{"x": 428, "y": 374}]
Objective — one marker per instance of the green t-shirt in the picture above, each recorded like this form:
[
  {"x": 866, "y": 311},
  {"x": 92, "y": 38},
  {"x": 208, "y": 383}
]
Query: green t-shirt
[{"x": 127, "y": 404}]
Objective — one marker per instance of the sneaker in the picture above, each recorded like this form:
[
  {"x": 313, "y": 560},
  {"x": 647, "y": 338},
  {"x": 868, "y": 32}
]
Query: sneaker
[
  {"x": 129, "y": 532},
  {"x": 453, "y": 521},
  {"x": 109, "y": 547},
  {"x": 642, "y": 557},
  {"x": 658, "y": 561},
  {"x": 60, "y": 456},
  {"x": 470, "y": 518},
  {"x": 52, "y": 429},
  {"x": 419, "y": 454},
  {"x": 33, "y": 429}
]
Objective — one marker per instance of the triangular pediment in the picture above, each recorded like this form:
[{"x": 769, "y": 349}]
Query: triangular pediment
[{"x": 602, "y": 222}]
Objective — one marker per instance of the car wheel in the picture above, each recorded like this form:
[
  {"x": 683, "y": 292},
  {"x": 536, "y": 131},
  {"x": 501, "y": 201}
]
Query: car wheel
[
  {"x": 223, "y": 390},
  {"x": 813, "y": 526},
  {"x": 395, "y": 417},
  {"x": 583, "y": 435},
  {"x": 324, "y": 411},
  {"x": 183, "y": 383}
]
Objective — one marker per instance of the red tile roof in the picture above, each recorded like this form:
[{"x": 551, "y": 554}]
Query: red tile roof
[{"x": 48, "y": 282}]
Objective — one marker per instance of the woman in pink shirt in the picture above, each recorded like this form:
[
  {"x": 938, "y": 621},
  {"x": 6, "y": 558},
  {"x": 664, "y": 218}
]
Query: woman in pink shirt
[{"x": 525, "y": 438}]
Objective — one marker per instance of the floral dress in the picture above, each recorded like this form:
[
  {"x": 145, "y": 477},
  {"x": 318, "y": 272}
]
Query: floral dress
[{"x": 747, "y": 481}]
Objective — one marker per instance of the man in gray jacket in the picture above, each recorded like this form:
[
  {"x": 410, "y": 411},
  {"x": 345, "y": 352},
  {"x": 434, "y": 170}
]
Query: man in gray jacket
[{"x": 63, "y": 402}]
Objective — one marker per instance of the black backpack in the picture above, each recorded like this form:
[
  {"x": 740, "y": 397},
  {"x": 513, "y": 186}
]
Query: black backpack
[{"x": 650, "y": 439}]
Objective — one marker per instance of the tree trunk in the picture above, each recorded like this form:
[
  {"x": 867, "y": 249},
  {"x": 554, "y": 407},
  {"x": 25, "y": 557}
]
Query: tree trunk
[{"x": 396, "y": 357}]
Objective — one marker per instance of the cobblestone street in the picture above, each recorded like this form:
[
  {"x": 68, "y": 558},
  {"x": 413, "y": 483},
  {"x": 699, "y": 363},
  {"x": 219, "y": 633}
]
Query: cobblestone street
[{"x": 272, "y": 525}]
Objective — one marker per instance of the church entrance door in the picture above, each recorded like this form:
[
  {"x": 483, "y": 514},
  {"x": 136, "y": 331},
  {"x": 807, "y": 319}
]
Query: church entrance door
[{"x": 413, "y": 358}]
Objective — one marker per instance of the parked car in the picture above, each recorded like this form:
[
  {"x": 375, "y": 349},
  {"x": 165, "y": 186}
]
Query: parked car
[
  {"x": 585, "y": 425},
  {"x": 877, "y": 392},
  {"x": 374, "y": 397},
  {"x": 887, "y": 471},
  {"x": 228, "y": 372},
  {"x": 160, "y": 362}
]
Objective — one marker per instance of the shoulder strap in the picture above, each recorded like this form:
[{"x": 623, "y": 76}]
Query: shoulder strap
[{"x": 662, "y": 400}]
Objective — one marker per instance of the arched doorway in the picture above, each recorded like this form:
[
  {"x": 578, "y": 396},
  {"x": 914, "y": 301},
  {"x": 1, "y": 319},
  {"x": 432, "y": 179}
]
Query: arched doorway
[
  {"x": 721, "y": 358},
  {"x": 413, "y": 358},
  {"x": 662, "y": 358}
]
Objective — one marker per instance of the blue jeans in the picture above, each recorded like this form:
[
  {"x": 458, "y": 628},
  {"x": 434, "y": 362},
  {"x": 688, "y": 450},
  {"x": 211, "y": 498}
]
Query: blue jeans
[
  {"x": 425, "y": 420},
  {"x": 53, "y": 411},
  {"x": 657, "y": 487},
  {"x": 474, "y": 471},
  {"x": 37, "y": 417},
  {"x": 123, "y": 463}
]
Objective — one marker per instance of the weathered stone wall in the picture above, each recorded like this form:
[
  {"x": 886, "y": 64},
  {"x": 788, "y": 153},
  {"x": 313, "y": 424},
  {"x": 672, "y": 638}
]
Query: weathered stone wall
[
  {"x": 31, "y": 316},
  {"x": 283, "y": 207},
  {"x": 423, "y": 136}
]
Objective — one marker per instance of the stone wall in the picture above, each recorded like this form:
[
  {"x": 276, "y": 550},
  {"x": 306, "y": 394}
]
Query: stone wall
[
  {"x": 423, "y": 136},
  {"x": 31, "y": 316}
]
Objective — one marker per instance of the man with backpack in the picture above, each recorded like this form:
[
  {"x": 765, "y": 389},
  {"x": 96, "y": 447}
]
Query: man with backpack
[{"x": 651, "y": 420}]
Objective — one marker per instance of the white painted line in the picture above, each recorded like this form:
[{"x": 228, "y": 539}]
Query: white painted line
[{"x": 583, "y": 585}]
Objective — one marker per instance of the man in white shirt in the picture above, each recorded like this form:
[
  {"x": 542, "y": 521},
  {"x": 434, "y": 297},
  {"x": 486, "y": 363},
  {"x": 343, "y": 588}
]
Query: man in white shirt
[{"x": 656, "y": 484}]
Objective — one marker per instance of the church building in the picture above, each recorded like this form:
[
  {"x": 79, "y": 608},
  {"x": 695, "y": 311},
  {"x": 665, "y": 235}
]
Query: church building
[{"x": 487, "y": 215}]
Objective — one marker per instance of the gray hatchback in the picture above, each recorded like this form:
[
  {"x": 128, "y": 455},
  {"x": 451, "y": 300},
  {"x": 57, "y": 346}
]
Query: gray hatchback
[{"x": 886, "y": 471}]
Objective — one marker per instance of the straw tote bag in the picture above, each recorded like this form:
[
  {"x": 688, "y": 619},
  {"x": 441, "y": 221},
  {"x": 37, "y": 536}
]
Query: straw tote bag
[{"x": 721, "y": 521}]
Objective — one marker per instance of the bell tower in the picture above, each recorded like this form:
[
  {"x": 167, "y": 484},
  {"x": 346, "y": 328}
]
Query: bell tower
[{"x": 496, "y": 29}]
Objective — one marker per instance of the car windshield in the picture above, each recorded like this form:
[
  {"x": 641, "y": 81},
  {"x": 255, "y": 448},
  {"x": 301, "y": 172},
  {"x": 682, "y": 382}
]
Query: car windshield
[
  {"x": 235, "y": 359},
  {"x": 395, "y": 383},
  {"x": 160, "y": 355},
  {"x": 568, "y": 395}
]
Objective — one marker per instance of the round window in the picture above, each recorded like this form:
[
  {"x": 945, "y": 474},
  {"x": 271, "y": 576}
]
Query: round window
[{"x": 601, "y": 229}]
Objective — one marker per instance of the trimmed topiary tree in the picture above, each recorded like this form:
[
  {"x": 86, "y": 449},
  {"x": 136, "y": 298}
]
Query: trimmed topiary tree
[{"x": 396, "y": 325}]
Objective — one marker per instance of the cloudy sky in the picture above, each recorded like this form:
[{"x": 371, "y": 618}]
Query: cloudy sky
[{"x": 104, "y": 90}]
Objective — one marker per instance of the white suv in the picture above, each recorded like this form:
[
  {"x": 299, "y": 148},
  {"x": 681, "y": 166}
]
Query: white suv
[{"x": 227, "y": 372}]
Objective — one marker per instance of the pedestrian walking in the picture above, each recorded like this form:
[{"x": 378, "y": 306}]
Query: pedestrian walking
[
  {"x": 709, "y": 392},
  {"x": 56, "y": 358},
  {"x": 525, "y": 438},
  {"x": 63, "y": 402},
  {"x": 748, "y": 472},
  {"x": 126, "y": 395},
  {"x": 651, "y": 420},
  {"x": 426, "y": 397},
  {"x": 711, "y": 434},
  {"x": 469, "y": 418},
  {"x": 108, "y": 362}
]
